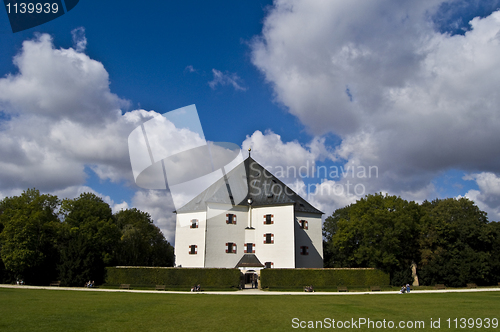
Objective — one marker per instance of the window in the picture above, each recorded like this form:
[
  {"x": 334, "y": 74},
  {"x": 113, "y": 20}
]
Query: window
[
  {"x": 193, "y": 249},
  {"x": 249, "y": 248},
  {"x": 269, "y": 265},
  {"x": 304, "y": 250},
  {"x": 268, "y": 238},
  {"x": 231, "y": 219},
  {"x": 268, "y": 219},
  {"x": 194, "y": 223},
  {"x": 304, "y": 224},
  {"x": 230, "y": 248}
]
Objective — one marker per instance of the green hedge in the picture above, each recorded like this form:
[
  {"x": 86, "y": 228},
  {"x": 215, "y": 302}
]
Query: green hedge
[
  {"x": 173, "y": 277},
  {"x": 326, "y": 278}
]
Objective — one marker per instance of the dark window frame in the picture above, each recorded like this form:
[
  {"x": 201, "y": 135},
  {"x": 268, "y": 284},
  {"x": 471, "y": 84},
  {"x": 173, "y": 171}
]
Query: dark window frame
[
  {"x": 304, "y": 224},
  {"x": 252, "y": 251},
  {"x": 231, "y": 219},
  {"x": 231, "y": 248},
  {"x": 268, "y": 238}
]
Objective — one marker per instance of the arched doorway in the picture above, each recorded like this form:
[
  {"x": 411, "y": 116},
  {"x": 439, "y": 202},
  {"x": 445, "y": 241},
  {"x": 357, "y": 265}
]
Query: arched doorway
[
  {"x": 250, "y": 277},
  {"x": 250, "y": 267}
]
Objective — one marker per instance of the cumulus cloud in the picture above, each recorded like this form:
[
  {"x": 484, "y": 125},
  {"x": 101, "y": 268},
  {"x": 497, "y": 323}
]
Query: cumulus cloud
[
  {"x": 59, "y": 84},
  {"x": 487, "y": 197},
  {"x": 401, "y": 94},
  {"x": 292, "y": 154},
  {"x": 61, "y": 119},
  {"x": 38, "y": 152},
  {"x": 220, "y": 78}
]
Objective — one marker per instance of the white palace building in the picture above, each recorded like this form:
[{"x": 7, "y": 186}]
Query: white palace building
[{"x": 272, "y": 227}]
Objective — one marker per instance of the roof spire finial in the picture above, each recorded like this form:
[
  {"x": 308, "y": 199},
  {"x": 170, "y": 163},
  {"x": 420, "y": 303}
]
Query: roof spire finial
[{"x": 249, "y": 150}]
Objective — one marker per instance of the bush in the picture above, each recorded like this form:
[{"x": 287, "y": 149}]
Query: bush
[
  {"x": 173, "y": 277},
  {"x": 297, "y": 278}
]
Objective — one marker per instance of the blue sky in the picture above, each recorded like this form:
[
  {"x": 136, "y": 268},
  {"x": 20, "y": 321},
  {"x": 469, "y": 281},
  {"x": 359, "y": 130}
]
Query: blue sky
[{"x": 406, "y": 87}]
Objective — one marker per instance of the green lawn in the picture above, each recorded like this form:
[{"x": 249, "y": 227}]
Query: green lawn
[{"x": 59, "y": 310}]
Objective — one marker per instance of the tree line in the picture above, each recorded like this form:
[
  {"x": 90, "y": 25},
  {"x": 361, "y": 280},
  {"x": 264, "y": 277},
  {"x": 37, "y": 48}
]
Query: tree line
[
  {"x": 43, "y": 239},
  {"x": 450, "y": 240}
]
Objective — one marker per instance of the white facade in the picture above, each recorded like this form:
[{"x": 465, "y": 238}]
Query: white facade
[{"x": 280, "y": 231}]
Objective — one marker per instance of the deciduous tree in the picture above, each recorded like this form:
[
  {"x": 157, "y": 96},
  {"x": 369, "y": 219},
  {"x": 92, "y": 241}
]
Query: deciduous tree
[
  {"x": 455, "y": 243},
  {"x": 377, "y": 231},
  {"x": 29, "y": 235},
  {"x": 90, "y": 239},
  {"x": 142, "y": 243}
]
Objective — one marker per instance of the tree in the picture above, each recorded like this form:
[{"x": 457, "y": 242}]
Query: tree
[
  {"x": 36, "y": 246},
  {"x": 450, "y": 239},
  {"x": 29, "y": 235},
  {"x": 332, "y": 256},
  {"x": 89, "y": 241},
  {"x": 494, "y": 261},
  {"x": 142, "y": 243},
  {"x": 455, "y": 243},
  {"x": 377, "y": 231}
]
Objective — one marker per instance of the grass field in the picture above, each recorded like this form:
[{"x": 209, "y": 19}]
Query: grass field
[{"x": 59, "y": 310}]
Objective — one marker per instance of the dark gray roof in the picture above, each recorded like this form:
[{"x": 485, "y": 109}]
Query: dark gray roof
[
  {"x": 249, "y": 260},
  {"x": 249, "y": 180}
]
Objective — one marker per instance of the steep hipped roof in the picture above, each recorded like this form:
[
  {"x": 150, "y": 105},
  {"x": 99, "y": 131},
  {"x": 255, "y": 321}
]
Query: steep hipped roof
[
  {"x": 249, "y": 260},
  {"x": 263, "y": 187}
]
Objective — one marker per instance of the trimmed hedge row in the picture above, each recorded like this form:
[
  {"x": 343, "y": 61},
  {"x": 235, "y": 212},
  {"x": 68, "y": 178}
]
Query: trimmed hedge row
[
  {"x": 171, "y": 276},
  {"x": 297, "y": 278}
]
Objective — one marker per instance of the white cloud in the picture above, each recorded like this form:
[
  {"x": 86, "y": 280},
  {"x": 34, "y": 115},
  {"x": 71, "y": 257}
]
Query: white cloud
[
  {"x": 49, "y": 155},
  {"x": 63, "y": 119},
  {"x": 493, "y": 212},
  {"x": 159, "y": 205},
  {"x": 401, "y": 95},
  {"x": 226, "y": 78},
  {"x": 487, "y": 198},
  {"x": 292, "y": 154},
  {"x": 79, "y": 39},
  {"x": 59, "y": 84}
]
